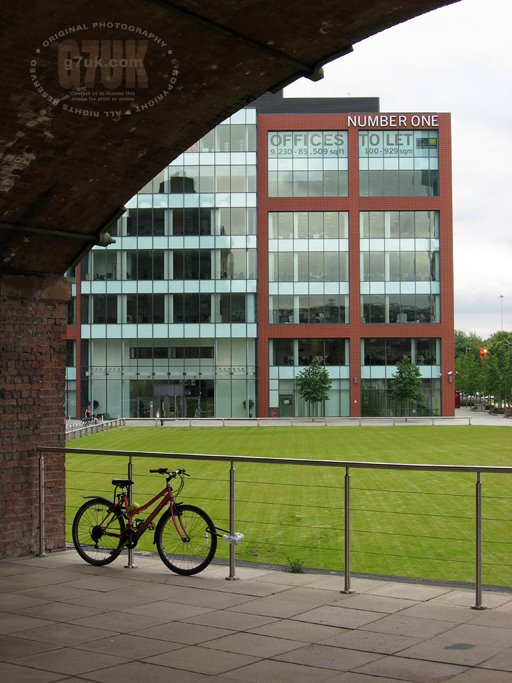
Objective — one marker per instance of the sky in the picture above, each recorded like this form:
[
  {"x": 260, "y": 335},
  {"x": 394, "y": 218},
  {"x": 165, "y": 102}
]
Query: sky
[{"x": 455, "y": 59}]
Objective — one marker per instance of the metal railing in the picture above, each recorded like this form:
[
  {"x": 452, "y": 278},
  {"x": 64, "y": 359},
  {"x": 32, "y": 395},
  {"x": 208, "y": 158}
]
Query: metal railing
[
  {"x": 339, "y": 464},
  {"x": 77, "y": 428},
  {"x": 361, "y": 421}
]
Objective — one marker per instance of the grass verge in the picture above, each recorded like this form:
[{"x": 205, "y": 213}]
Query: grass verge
[{"x": 415, "y": 524}]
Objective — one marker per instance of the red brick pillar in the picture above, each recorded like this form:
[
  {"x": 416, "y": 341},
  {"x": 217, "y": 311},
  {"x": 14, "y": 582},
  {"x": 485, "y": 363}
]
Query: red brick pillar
[{"x": 32, "y": 375}]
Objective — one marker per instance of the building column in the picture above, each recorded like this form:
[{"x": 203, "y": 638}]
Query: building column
[{"x": 32, "y": 381}]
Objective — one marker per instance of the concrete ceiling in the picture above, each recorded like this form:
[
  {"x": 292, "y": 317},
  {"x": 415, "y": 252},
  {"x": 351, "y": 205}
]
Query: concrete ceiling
[{"x": 64, "y": 174}]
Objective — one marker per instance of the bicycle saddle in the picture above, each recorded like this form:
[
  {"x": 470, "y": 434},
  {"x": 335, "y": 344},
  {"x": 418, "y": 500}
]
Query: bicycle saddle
[{"x": 122, "y": 482}]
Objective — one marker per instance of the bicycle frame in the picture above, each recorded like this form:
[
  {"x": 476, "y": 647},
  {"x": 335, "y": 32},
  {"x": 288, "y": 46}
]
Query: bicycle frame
[{"x": 167, "y": 496}]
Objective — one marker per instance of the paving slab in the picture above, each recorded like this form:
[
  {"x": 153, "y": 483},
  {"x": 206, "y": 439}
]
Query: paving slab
[
  {"x": 254, "y": 644},
  {"x": 168, "y": 610},
  {"x": 22, "y": 674},
  {"x": 64, "y": 633},
  {"x": 11, "y": 622},
  {"x": 400, "y": 624},
  {"x": 69, "y": 661},
  {"x": 137, "y": 672},
  {"x": 457, "y": 652},
  {"x": 414, "y": 670},
  {"x": 233, "y": 620},
  {"x": 409, "y": 591},
  {"x": 344, "y": 617},
  {"x": 298, "y": 630},
  {"x": 481, "y": 676},
  {"x": 271, "y": 671},
  {"x": 375, "y": 603},
  {"x": 270, "y": 607},
  {"x": 328, "y": 657},
  {"x": 441, "y": 611},
  {"x": 367, "y": 641},
  {"x": 202, "y": 660},
  {"x": 64, "y": 620},
  {"x": 12, "y": 647},
  {"x": 501, "y": 661},
  {"x": 131, "y": 647},
  {"x": 186, "y": 633}
]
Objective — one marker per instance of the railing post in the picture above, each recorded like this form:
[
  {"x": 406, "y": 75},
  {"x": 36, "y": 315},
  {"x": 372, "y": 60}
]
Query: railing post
[
  {"x": 478, "y": 542},
  {"x": 232, "y": 567},
  {"x": 347, "y": 588},
  {"x": 42, "y": 539},
  {"x": 130, "y": 564}
]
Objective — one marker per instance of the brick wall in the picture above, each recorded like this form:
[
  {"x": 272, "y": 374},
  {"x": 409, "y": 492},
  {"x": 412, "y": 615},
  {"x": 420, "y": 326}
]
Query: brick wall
[{"x": 32, "y": 374}]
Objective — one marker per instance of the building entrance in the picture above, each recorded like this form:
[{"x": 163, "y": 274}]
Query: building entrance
[{"x": 178, "y": 398}]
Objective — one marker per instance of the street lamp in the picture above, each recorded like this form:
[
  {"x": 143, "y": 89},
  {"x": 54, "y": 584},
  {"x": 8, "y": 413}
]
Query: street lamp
[{"x": 501, "y": 305}]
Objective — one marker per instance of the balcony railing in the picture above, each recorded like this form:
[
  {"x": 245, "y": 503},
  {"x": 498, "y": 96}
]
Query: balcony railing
[{"x": 347, "y": 466}]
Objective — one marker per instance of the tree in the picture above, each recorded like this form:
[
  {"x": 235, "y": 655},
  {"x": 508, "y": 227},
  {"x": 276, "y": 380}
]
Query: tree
[
  {"x": 313, "y": 384},
  {"x": 406, "y": 384},
  {"x": 468, "y": 373},
  {"x": 466, "y": 343},
  {"x": 469, "y": 370},
  {"x": 498, "y": 367},
  {"x": 484, "y": 366}
]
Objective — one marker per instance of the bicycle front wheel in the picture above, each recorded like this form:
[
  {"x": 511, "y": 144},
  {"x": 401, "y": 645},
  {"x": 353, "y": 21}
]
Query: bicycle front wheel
[
  {"x": 98, "y": 532},
  {"x": 188, "y": 555}
]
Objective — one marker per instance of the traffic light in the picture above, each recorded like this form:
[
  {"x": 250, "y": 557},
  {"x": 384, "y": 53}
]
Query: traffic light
[{"x": 482, "y": 353}]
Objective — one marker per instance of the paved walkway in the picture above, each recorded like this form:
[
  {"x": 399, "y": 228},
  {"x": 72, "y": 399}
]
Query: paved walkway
[
  {"x": 463, "y": 416},
  {"x": 64, "y": 620}
]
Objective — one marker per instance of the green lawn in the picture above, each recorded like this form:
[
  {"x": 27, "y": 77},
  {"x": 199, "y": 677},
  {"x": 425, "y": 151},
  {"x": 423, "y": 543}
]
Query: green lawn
[{"x": 415, "y": 524}]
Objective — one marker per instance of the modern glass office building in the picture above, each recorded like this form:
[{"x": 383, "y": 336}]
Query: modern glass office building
[{"x": 296, "y": 229}]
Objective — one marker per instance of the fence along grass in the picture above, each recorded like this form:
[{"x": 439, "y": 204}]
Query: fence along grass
[{"x": 414, "y": 524}]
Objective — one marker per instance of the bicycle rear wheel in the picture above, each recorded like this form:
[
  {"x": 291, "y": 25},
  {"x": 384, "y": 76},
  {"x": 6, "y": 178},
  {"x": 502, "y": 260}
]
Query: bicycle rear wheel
[
  {"x": 98, "y": 532},
  {"x": 191, "y": 555}
]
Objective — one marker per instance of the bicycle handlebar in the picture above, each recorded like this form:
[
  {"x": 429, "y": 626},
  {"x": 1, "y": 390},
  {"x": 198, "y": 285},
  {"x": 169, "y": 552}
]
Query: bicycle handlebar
[{"x": 168, "y": 472}]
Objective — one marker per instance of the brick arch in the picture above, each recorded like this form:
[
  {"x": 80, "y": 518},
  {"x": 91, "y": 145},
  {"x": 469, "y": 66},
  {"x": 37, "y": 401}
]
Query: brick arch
[{"x": 65, "y": 175}]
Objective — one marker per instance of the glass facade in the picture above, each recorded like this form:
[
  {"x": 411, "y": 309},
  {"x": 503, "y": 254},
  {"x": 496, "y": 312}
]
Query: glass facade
[
  {"x": 398, "y": 163},
  {"x": 230, "y": 273},
  {"x": 308, "y": 163},
  {"x": 288, "y": 357},
  {"x": 378, "y": 365},
  {"x": 308, "y": 267},
  {"x": 400, "y": 275},
  {"x": 168, "y": 312}
]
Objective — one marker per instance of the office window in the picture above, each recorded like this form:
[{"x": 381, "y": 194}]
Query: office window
[
  {"x": 71, "y": 311},
  {"x": 192, "y": 221},
  {"x": 282, "y": 352},
  {"x": 403, "y": 248},
  {"x": 327, "y": 351},
  {"x": 145, "y": 308},
  {"x": 308, "y": 163},
  {"x": 145, "y": 222},
  {"x": 398, "y": 163},
  {"x": 232, "y": 308},
  {"x": 373, "y": 308},
  {"x": 307, "y": 225},
  {"x": 70, "y": 353},
  {"x": 191, "y": 264},
  {"x": 104, "y": 264},
  {"x": 145, "y": 265},
  {"x": 104, "y": 308},
  {"x": 421, "y": 351},
  {"x": 192, "y": 308}
]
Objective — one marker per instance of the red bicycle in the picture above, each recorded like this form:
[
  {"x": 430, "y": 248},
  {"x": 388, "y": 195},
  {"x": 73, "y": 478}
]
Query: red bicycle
[{"x": 185, "y": 536}]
